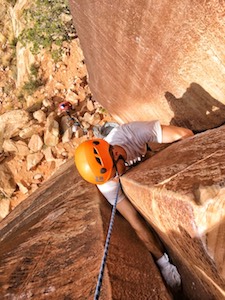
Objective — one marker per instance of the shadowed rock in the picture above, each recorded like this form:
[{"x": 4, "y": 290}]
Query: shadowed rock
[{"x": 52, "y": 246}]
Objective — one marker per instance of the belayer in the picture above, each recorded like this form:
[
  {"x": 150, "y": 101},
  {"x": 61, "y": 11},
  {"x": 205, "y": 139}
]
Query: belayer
[
  {"x": 103, "y": 161},
  {"x": 73, "y": 122}
]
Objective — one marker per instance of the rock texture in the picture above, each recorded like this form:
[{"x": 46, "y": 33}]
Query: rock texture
[
  {"x": 25, "y": 58},
  {"x": 11, "y": 123},
  {"x": 150, "y": 60},
  {"x": 145, "y": 60},
  {"x": 39, "y": 141},
  {"x": 181, "y": 192},
  {"x": 59, "y": 238}
]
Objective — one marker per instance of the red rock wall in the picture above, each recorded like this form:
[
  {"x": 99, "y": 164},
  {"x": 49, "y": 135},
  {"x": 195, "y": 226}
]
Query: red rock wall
[
  {"x": 131, "y": 269},
  {"x": 181, "y": 192},
  {"x": 51, "y": 244},
  {"x": 155, "y": 59},
  {"x": 51, "y": 247}
]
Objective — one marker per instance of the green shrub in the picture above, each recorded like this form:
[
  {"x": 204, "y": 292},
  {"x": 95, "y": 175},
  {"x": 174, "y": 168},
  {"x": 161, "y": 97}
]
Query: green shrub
[
  {"x": 34, "y": 82},
  {"x": 32, "y": 85},
  {"x": 47, "y": 23}
]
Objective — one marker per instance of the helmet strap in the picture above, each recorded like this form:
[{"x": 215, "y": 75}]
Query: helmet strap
[
  {"x": 116, "y": 161},
  {"x": 115, "y": 164}
]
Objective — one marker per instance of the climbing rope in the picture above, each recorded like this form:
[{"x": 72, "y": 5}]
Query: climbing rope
[{"x": 101, "y": 272}]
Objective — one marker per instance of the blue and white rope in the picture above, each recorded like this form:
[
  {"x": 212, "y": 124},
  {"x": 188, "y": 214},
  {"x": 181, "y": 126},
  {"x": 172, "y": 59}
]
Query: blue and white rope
[{"x": 101, "y": 272}]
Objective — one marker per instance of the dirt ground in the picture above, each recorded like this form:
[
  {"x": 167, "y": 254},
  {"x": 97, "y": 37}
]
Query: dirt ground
[{"x": 65, "y": 78}]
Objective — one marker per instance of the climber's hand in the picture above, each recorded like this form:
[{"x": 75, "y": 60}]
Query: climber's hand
[{"x": 169, "y": 272}]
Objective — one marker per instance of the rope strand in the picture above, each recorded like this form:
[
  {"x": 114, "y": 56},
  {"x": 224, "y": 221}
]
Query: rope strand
[{"x": 101, "y": 272}]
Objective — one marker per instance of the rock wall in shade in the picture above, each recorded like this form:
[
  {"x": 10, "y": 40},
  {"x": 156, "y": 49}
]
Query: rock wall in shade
[{"x": 51, "y": 246}]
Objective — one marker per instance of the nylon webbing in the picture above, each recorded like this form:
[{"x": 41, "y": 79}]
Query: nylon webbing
[{"x": 101, "y": 272}]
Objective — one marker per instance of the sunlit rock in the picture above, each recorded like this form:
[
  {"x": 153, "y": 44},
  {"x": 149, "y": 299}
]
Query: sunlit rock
[
  {"x": 51, "y": 135},
  {"x": 7, "y": 182},
  {"x": 36, "y": 143},
  {"x": 19, "y": 148},
  {"x": 148, "y": 61},
  {"x": 11, "y": 123},
  {"x": 40, "y": 116},
  {"x": 34, "y": 159},
  {"x": 181, "y": 192},
  {"x": 4, "y": 208}
]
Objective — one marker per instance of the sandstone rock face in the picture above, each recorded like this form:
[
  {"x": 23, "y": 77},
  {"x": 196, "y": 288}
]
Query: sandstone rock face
[
  {"x": 4, "y": 208},
  {"x": 34, "y": 159},
  {"x": 150, "y": 60},
  {"x": 19, "y": 147},
  {"x": 35, "y": 143},
  {"x": 24, "y": 56},
  {"x": 41, "y": 138},
  {"x": 11, "y": 123},
  {"x": 51, "y": 136},
  {"x": 16, "y": 15},
  {"x": 52, "y": 246},
  {"x": 181, "y": 192},
  {"x": 7, "y": 182}
]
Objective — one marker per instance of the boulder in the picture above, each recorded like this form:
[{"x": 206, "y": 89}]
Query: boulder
[
  {"x": 23, "y": 187},
  {"x": 38, "y": 176},
  {"x": 67, "y": 135},
  {"x": 90, "y": 105},
  {"x": 7, "y": 182},
  {"x": 34, "y": 159},
  {"x": 36, "y": 143},
  {"x": 52, "y": 246},
  {"x": 79, "y": 133},
  {"x": 64, "y": 124},
  {"x": 27, "y": 132},
  {"x": 25, "y": 59},
  {"x": 40, "y": 116},
  {"x": 92, "y": 119},
  {"x": 72, "y": 97},
  {"x": 47, "y": 103},
  {"x": 19, "y": 148},
  {"x": 11, "y": 123},
  {"x": 48, "y": 154},
  {"x": 24, "y": 56},
  {"x": 4, "y": 208},
  {"x": 181, "y": 193},
  {"x": 51, "y": 135}
]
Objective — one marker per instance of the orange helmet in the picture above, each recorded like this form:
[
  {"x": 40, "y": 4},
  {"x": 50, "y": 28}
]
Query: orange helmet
[{"x": 93, "y": 161}]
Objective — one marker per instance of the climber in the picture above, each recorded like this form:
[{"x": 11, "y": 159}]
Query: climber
[
  {"x": 102, "y": 162},
  {"x": 66, "y": 107}
]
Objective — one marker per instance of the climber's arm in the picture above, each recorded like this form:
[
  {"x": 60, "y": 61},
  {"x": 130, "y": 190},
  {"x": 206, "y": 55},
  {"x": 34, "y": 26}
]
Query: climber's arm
[{"x": 173, "y": 133}]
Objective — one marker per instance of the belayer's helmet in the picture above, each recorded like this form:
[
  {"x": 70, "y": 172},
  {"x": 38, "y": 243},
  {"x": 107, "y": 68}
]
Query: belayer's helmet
[
  {"x": 93, "y": 161},
  {"x": 65, "y": 106}
]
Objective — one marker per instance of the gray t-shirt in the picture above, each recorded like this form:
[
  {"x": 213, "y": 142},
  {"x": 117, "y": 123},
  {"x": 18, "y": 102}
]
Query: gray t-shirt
[{"x": 133, "y": 138}]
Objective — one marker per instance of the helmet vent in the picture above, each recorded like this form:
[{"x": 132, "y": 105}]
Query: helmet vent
[
  {"x": 103, "y": 170},
  {"x": 98, "y": 160},
  {"x": 96, "y": 143},
  {"x": 95, "y": 151}
]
